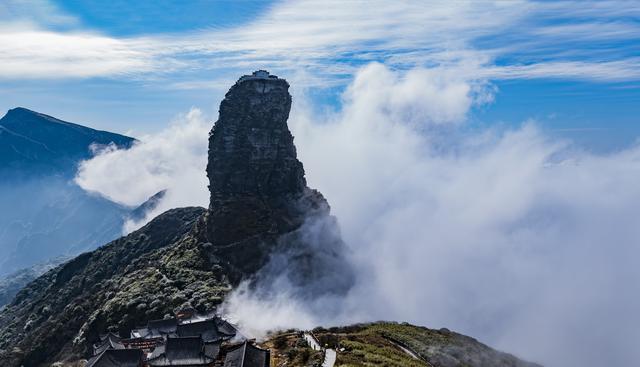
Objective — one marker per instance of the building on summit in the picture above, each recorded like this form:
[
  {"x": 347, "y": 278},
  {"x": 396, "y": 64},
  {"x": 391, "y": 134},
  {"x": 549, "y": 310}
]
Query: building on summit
[{"x": 257, "y": 75}]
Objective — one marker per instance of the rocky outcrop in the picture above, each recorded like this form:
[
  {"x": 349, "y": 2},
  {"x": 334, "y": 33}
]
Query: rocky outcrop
[{"x": 259, "y": 195}]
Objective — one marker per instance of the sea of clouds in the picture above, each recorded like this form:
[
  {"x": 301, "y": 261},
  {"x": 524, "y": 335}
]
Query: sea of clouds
[{"x": 510, "y": 235}]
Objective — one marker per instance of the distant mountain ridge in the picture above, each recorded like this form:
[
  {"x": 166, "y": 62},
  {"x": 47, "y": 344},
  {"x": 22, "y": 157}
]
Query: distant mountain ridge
[
  {"x": 43, "y": 213},
  {"x": 32, "y": 143}
]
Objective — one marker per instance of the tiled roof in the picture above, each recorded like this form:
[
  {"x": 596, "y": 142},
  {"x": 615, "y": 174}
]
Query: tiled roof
[
  {"x": 117, "y": 358},
  {"x": 206, "y": 329},
  {"x": 187, "y": 351},
  {"x": 108, "y": 341},
  {"x": 247, "y": 355}
]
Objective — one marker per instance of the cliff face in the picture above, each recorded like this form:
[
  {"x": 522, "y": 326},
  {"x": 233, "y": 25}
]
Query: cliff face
[
  {"x": 251, "y": 150},
  {"x": 257, "y": 184}
]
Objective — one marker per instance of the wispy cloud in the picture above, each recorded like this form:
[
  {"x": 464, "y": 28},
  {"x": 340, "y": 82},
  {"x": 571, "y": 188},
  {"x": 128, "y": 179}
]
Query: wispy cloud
[
  {"x": 34, "y": 53},
  {"x": 332, "y": 39},
  {"x": 36, "y": 12},
  {"x": 623, "y": 70}
]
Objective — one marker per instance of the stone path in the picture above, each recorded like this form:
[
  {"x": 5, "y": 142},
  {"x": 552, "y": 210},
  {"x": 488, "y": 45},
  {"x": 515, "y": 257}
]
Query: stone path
[
  {"x": 329, "y": 358},
  {"x": 408, "y": 351},
  {"x": 330, "y": 355},
  {"x": 312, "y": 341}
]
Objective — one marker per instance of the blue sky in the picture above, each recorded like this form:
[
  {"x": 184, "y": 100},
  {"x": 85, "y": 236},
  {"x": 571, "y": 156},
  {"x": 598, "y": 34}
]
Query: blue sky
[
  {"x": 574, "y": 67},
  {"x": 127, "y": 18}
]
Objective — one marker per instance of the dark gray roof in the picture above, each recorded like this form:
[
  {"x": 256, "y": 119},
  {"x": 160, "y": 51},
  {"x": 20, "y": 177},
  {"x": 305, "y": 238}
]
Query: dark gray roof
[
  {"x": 187, "y": 351},
  {"x": 107, "y": 341},
  {"x": 142, "y": 332},
  {"x": 206, "y": 329},
  {"x": 156, "y": 328},
  {"x": 166, "y": 325},
  {"x": 157, "y": 352},
  {"x": 212, "y": 350},
  {"x": 247, "y": 355},
  {"x": 117, "y": 358},
  {"x": 225, "y": 328}
]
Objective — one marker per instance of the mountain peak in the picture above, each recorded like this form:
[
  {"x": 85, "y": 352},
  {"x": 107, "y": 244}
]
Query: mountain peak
[
  {"x": 254, "y": 173},
  {"x": 251, "y": 149},
  {"x": 34, "y": 143},
  {"x": 19, "y": 114},
  {"x": 21, "y": 110},
  {"x": 258, "y": 190},
  {"x": 258, "y": 75}
]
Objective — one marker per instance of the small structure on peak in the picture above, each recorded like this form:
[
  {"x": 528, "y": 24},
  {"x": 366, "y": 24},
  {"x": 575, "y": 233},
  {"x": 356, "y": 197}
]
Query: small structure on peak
[{"x": 257, "y": 75}]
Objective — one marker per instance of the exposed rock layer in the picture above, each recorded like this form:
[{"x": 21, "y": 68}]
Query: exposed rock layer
[{"x": 257, "y": 184}]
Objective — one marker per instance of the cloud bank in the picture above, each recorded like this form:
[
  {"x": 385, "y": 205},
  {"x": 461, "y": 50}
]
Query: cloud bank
[
  {"x": 331, "y": 40},
  {"x": 521, "y": 240},
  {"x": 173, "y": 160}
]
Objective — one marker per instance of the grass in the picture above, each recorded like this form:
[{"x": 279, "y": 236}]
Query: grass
[
  {"x": 365, "y": 345},
  {"x": 290, "y": 349}
]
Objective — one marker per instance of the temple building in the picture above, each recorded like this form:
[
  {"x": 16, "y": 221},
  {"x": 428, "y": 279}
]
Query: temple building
[
  {"x": 206, "y": 329},
  {"x": 256, "y": 75},
  {"x": 156, "y": 328},
  {"x": 247, "y": 355},
  {"x": 118, "y": 358},
  {"x": 187, "y": 340},
  {"x": 225, "y": 329},
  {"x": 108, "y": 341},
  {"x": 183, "y": 351}
]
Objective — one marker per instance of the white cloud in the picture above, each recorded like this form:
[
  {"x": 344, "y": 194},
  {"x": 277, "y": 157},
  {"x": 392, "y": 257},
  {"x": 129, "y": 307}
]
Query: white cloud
[
  {"x": 402, "y": 97},
  {"x": 172, "y": 160},
  {"x": 606, "y": 71},
  {"x": 42, "y": 12},
  {"x": 331, "y": 40},
  {"x": 35, "y": 53}
]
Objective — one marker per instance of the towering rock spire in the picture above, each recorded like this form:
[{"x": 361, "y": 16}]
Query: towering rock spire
[
  {"x": 257, "y": 185},
  {"x": 251, "y": 151}
]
